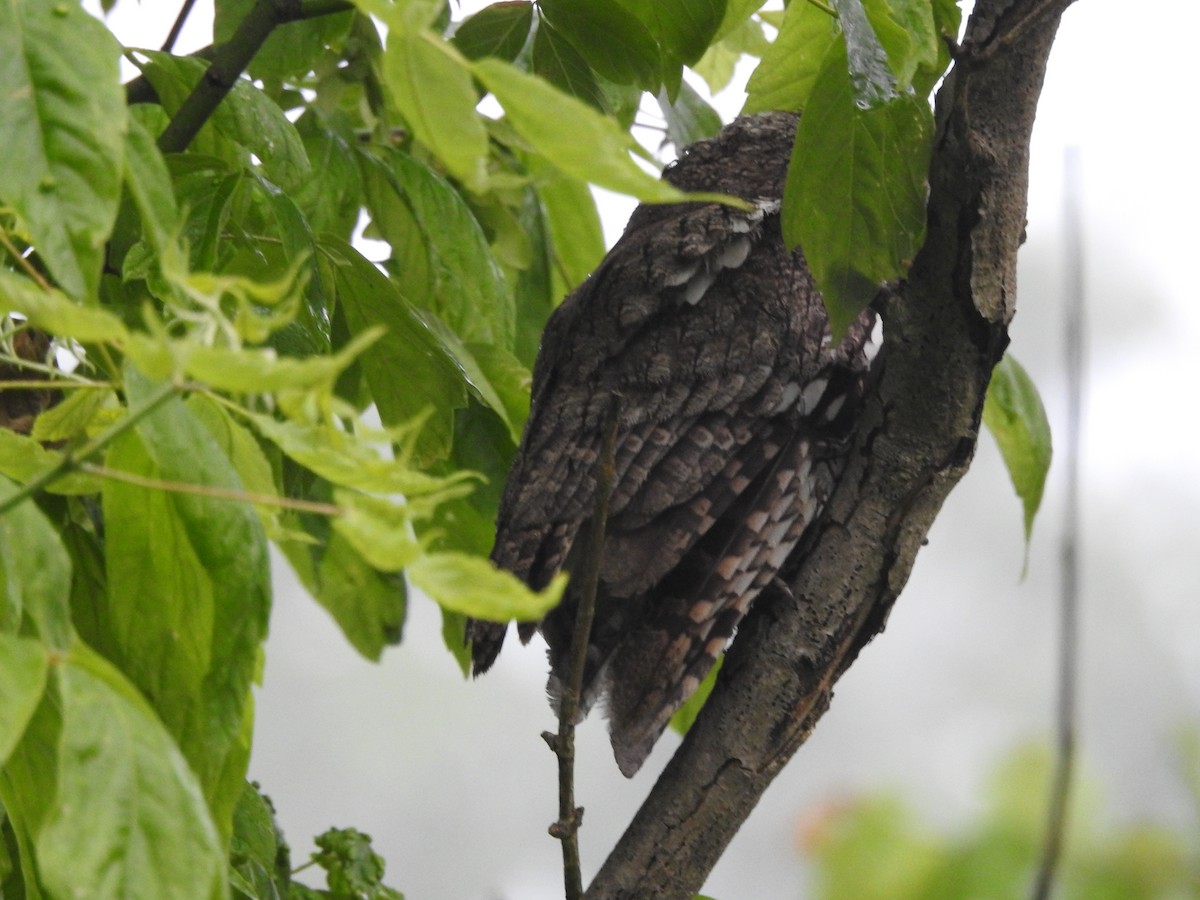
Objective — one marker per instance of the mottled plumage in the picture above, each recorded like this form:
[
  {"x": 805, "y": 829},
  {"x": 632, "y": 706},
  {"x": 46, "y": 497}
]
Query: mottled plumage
[{"x": 733, "y": 406}]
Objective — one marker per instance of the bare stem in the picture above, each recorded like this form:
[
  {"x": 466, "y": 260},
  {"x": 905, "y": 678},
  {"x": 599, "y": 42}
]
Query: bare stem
[
  {"x": 173, "y": 35},
  {"x": 566, "y": 829},
  {"x": 1060, "y": 788}
]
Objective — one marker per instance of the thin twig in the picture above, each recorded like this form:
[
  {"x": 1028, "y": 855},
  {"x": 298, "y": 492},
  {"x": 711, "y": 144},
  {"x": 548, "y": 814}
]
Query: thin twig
[
  {"x": 55, "y": 375},
  {"x": 47, "y": 384},
  {"x": 21, "y": 261},
  {"x": 570, "y": 816},
  {"x": 173, "y": 35},
  {"x": 219, "y": 493},
  {"x": 1060, "y": 789},
  {"x": 70, "y": 461},
  {"x": 231, "y": 59}
]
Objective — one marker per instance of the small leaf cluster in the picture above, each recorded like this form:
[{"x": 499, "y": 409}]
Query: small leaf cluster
[{"x": 261, "y": 867}]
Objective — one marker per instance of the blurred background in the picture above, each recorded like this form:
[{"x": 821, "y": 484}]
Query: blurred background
[{"x": 457, "y": 789}]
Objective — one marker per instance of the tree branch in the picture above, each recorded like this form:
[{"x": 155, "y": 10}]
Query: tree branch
[
  {"x": 231, "y": 59},
  {"x": 570, "y": 816},
  {"x": 185, "y": 10},
  {"x": 946, "y": 327}
]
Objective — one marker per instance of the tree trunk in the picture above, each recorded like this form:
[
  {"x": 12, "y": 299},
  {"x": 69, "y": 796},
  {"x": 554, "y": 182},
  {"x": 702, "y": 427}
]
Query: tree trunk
[{"x": 945, "y": 329}]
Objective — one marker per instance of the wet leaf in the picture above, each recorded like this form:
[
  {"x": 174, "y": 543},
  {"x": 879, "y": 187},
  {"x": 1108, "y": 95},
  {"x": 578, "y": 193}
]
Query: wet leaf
[{"x": 1014, "y": 414}]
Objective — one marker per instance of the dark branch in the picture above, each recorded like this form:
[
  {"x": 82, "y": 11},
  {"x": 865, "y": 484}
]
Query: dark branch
[
  {"x": 173, "y": 35},
  {"x": 231, "y": 59},
  {"x": 946, "y": 327}
]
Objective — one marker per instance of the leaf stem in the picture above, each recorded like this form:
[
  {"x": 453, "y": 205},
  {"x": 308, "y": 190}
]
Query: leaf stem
[
  {"x": 48, "y": 384},
  {"x": 72, "y": 459},
  {"x": 203, "y": 490},
  {"x": 570, "y": 817}
]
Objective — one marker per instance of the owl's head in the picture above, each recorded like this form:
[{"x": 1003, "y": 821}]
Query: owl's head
[{"x": 748, "y": 158}]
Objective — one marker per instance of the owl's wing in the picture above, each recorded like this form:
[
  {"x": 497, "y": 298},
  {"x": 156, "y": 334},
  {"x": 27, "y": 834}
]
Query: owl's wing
[
  {"x": 682, "y": 371},
  {"x": 708, "y": 335}
]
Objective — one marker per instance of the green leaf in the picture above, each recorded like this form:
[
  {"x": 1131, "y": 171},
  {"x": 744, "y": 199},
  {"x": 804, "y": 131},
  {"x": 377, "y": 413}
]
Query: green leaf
[
  {"x": 454, "y": 630},
  {"x": 468, "y": 292},
  {"x": 352, "y": 868},
  {"x": 789, "y": 68},
  {"x": 379, "y": 529},
  {"x": 348, "y": 461},
  {"x": 29, "y": 786},
  {"x": 856, "y": 189},
  {"x": 577, "y": 236},
  {"x": 408, "y": 354},
  {"x": 717, "y": 64},
  {"x": 254, "y": 846},
  {"x": 253, "y": 120},
  {"x": 189, "y": 588},
  {"x": 56, "y": 313},
  {"x": 63, "y": 119},
  {"x": 431, "y": 84},
  {"x": 71, "y": 418},
  {"x": 23, "y": 667},
  {"x": 473, "y": 586},
  {"x": 272, "y": 243},
  {"x": 682, "y": 28},
  {"x": 905, "y": 29},
  {"x": 238, "y": 443},
  {"x": 476, "y": 379},
  {"x": 331, "y": 198},
  {"x": 246, "y": 117},
  {"x": 689, "y": 117},
  {"x": 149, "y": 184},
  {"x": 1014, "y": 414},
  {"x": 128, "y": 819},
  {"x": 247, "y": 370},
  {"x": 570, "y": 134},
  {"x": 368, "y": 606},
  {"x": 511, "y": 383},
  {"x": 685, "y": 716},
  {"x": 555, "y": 59},
  {"x": 613, "y": 40},
  {"x": 499, "y": 30},
  {"x": 869, "y": 66},
  {"x": 23, "y": 458},
  {"x": 947, "y": 17},
  {"x": 35, "y": 572},
  {"x": 205, "y": 194}
]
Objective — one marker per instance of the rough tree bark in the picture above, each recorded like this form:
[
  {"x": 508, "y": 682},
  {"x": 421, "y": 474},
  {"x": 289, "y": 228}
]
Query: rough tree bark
[{"x": 946, "y": 327}]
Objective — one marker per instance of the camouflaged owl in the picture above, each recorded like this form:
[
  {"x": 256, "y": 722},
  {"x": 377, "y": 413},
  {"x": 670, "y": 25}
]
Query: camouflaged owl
[{"x": 733, "y": 405}]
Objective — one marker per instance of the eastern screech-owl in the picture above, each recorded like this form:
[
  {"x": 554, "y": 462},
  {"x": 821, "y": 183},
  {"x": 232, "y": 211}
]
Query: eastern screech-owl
[{"x": 733, "y": 405}]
